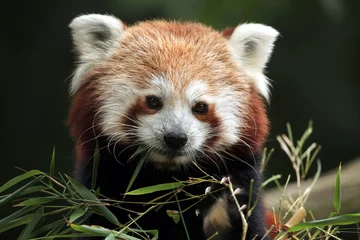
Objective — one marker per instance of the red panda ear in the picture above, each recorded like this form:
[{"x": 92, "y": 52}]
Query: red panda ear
[
  {"x": 94, "y": 36},
  {"x": 252, "y": 45}
]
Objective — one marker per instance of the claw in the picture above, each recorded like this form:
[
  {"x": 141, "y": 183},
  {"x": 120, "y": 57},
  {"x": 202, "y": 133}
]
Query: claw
[
  {"x": 197, "y": 212},
  {"x": 207, "y": 190},
  {"x": 238, "y": 191},
  {"x": 224, "y": 180}
]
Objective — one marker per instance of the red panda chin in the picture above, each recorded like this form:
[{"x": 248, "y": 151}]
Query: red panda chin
[{"x": 172, "y": 163}]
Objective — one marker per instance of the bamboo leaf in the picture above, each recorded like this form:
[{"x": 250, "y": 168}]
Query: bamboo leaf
[
  {"x": 36, "y": 201},
  {"x": 174, "y": 215},
  {"x": 345, "y": 219},
  {"x": 30, "y": 190},
  {"x": 52, "y": 167},
  {"x": 155, "y": 233},
  {"x": 17, "y": 222},
  {"x": 68, "y": 188},
  {"x": 156, "y": 188},
  {"x": 110, "y": 237},
  {"x": 19, "y": 178},
  {"x": 66, "y": 236},
  {"x": 88, "y": 195},
  {"x": 20, "y": 190},
  {"x": 95, "y": 166},
  {"x": 97, "y": 192},
  {"x": 136, "y": 172},
  {"x": 15, "y": 215},
  {"x": 289, "y": 130},
  {"x": 79, "y": 212},
  {"x": 337, "y": 191},
  {"x": 48, "y": 227},
  {"x": 31, "y": 225},
  {"x": 100, "y": 231},
  {"x": 33, "y": 189},
  {"x": 67, "y": 230},
  {"x": 56, "y": 231}
]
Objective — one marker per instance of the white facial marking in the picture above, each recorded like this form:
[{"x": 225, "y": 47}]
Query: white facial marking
[
  {"x": 175, "y": 116},
  {"x": 119, "y": 95},
  {"x": 229, "y": 110},
  {"x": 197, "y": 91},
  {"x": 160, "y": 86}
]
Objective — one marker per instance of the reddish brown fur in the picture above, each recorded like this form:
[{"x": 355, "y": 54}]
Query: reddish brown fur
[
  {"x": 215, "y": 123},
  {"x": 138, "y": 108},
  {"x": 257, "y": 123},
  {"x": 81, "y": 118},
  {"x": 153, "y": 48},
  {"x": 227, "y": 32}
]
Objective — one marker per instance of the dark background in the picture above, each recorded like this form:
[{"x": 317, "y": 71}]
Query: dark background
[{"x": 314, "y": 69}]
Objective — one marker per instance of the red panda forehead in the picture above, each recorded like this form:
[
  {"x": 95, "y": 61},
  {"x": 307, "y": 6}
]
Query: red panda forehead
[{"x": 183, "y": 52}]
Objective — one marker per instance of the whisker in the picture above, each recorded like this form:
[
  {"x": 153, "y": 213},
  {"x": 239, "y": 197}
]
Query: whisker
[
  {"x": 239, "y": 159},
  {"x": 217, "y": 154}
]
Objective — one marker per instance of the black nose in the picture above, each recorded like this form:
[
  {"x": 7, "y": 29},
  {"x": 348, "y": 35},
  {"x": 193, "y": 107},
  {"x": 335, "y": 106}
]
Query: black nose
[{"x": 175, "y": 140}]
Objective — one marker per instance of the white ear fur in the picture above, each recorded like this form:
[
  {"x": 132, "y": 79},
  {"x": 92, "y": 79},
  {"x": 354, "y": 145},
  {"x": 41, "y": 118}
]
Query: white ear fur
[
  {"x": 94, "y": 37},
  {"x": 252, "y": 45}
]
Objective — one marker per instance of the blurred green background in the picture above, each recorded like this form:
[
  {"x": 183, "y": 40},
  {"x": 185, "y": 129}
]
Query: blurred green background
[{"x": 314, "y": 70}]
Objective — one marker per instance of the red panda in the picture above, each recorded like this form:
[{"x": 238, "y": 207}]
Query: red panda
[{"x": 174, "y": 93}]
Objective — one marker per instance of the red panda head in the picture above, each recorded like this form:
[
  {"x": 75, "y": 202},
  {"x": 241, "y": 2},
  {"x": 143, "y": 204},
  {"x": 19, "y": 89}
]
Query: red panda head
[{"x": 175, "y": 91}]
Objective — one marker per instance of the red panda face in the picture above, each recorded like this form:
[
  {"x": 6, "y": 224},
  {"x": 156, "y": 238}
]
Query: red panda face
[{"x": 176, "y": 92}]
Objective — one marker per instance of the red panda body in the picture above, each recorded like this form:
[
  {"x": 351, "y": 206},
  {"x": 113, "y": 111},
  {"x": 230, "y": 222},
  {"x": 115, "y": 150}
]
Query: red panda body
[{"x": 172, "y": 93}]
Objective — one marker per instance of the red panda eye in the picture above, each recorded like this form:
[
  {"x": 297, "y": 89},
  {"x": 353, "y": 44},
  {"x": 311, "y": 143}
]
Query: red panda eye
[
  {"x": 200, "y": 108},
  {"x": 153, "y": 102}
]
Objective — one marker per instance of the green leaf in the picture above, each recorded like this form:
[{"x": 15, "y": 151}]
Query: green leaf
[
  {"x": 66, "y": 236},
  {"x": 79, "y": 212},
  {"x": 36, "y": 201},
  {"x": 19, "y": 178},
  {"x": 95, "y": 166},
  {"x": 17, "y": 222},
  {"x": 136, "y": 172},
  {"x": 57, "y": 224},
  {"x": 100, "y": 231},
  {"x": 68, "y": 188},
  {"x": 156, "y": 234},
  {"x": 56, "y": 231},
  {"x": 69, "y": 229},
  {"x": 156, "y": 188},
  {"x": 174, "y": 215},
  {"x": 19, "y": 190},
  {"x": 289, "y": 130},
  {"x": 15, "y": 215},
  {"x": 337, "y": 191},
  {"x": 52, "y": 167},
  {"x": 30, "y": 190},
  {"x": 345, "y": 219},
  {"x": 31, "y": 225},
  {"x": 110, "y": 237},
  {"x": 33, "y": 189},
  {"x": 97, "y": 192},
  {"x": 86, "y": 194}
]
